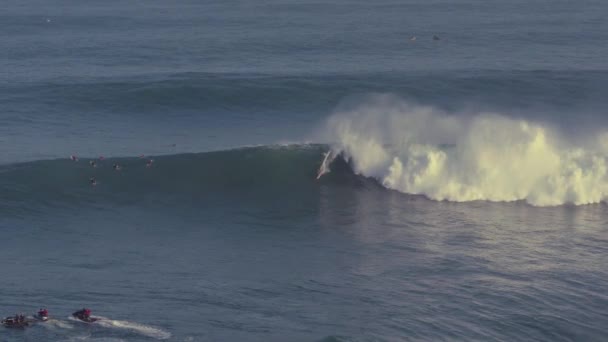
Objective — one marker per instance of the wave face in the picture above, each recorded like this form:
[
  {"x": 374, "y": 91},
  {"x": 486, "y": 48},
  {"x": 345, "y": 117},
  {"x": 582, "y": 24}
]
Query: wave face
[
  {"x": 482, "y": 156},
  {"x": 253, "y": 173}
]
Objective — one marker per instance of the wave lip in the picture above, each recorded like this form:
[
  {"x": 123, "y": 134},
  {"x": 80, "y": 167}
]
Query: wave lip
[{"x": 487, "y": 156}]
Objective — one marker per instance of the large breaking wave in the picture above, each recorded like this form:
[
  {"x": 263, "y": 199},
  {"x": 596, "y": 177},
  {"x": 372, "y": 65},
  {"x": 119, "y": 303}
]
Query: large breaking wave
[
  {"x": 412, "y": 149},
  {"x": 485, "y": 156}
]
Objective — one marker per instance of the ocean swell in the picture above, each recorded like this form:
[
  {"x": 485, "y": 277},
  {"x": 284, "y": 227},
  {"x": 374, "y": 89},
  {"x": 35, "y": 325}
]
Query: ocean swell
[{"x": 469, "y": 157}]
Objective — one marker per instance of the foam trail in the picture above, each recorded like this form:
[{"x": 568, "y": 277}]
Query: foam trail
[
  {"x": 54, "y": 324},
  {"x": 97, "y": 339},
  {"x": 141, "y": 329},
  {"x": 421, "y": 150}
]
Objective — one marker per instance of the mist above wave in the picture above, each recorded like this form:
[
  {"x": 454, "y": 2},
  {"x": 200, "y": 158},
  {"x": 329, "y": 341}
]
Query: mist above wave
[{"x": 471, "y": 156}]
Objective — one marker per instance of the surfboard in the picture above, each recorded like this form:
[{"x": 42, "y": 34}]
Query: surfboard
[{"x": 324, "y": 168}]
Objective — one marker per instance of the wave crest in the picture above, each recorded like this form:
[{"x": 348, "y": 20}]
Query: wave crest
[{"x": 486, "y": 156}]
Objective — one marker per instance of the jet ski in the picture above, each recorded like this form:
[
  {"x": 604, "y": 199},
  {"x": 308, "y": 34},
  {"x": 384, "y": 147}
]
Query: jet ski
[
  {"x": 84, "y": 315},
  {"x": 15, "y": 322},
  {"x": 42, "y": 315},
  {"x": 87, "y": 319}
]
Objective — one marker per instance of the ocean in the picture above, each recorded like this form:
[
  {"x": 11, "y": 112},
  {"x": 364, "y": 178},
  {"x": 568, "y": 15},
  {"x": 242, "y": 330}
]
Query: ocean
[{"x": 416, "y": 170}]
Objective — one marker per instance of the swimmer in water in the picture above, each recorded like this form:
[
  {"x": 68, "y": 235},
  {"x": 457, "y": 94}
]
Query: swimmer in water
[
  {"x": 116, "y": 167},
  {"x": 93, "y": 181},
  {"x": 92, "y": 163},
  {"x": 149, "y": 163}
]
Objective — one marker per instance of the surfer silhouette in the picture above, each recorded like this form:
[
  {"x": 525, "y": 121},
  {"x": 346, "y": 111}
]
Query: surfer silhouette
[{"x": 324, "y": 168}]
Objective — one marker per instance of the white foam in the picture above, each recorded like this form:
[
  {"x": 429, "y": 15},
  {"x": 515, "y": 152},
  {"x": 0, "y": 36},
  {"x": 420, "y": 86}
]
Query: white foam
[
  {"x": 56, "y": 324},
  {"x": 142, "y": 329},
  {"x": 485, "y": 156},
  {"x": 96, "y": 339}
]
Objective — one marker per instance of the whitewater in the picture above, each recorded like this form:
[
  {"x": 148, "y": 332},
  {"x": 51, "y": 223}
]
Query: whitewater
[{"x": 469, "y": 157}]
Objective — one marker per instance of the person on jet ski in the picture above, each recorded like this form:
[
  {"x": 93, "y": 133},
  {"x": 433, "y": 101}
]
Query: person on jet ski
[
  {"x": 43, "y": 313},
  {"x": 17, "y": 319},
  {"x": 82, "y": 314}
]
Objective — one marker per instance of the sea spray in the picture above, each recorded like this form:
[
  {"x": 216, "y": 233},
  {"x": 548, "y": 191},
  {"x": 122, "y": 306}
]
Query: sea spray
[{"x": 478, "y": 156}]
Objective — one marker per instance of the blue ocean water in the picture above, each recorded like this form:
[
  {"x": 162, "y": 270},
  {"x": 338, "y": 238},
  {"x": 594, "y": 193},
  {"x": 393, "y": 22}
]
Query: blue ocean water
[{"x": 462, "y": 197}]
